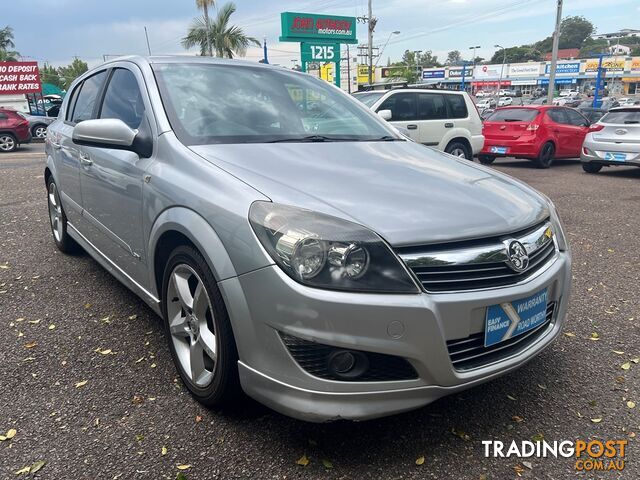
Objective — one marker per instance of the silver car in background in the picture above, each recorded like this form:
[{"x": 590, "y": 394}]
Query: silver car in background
[
  {"x": 38, "y": 124},
  {"x": 613, "y": 141},
  {"x": 296, "y": 246}
]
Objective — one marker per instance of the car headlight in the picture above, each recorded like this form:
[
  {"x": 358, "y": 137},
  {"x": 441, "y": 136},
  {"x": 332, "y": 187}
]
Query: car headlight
[
  {"x": 563, "y": 245},
  {"x": 322, "y": 251}
]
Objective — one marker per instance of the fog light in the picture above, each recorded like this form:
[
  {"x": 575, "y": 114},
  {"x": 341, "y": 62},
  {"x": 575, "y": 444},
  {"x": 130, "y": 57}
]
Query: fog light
[{"x": 347, "y": 363}]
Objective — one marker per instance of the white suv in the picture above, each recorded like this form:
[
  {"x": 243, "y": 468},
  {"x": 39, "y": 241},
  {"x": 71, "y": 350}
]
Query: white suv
[{"x": 446, "y": 120}]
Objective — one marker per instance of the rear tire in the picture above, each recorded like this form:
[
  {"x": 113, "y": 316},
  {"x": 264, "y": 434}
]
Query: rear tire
[
  {"x": 39, "y": 131},
  {"x": 58, "y": 220},
  {"x": 545, "y": 157},
  {"x": 198, "y": 329},
  {"x": 591, "y": 167},
  {"x": 8, "y": 143},
  {"x": 486, "y": 159},
  {"x": 459, "y": 149}
]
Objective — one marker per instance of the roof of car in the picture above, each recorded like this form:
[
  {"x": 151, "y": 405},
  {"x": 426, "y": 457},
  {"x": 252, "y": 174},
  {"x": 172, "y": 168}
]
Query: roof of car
[
  {"x": 625, "y": 107},
  {"x": 419, "y": 90}
]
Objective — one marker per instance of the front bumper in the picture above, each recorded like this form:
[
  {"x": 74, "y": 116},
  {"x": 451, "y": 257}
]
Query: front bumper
[
  {"x": 265, "y": 302},
  {"x": 609, "y": 154}
]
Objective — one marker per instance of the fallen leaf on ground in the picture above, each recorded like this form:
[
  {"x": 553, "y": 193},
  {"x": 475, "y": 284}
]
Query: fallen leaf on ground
[
  {"x": 34, "y": 322},
  {"x": 11, "y": 433},
  {"x": 133, "y": 317},
  {"x": 596, "y": 420},
  {"x": 517, "y": 419},
  {"x": 542, "y": 387},
  {"x": 181, "y": 476},
  {"x": 570, "y": 334},
  {"x": 594, "y": 336},
  {"x": 4, "y": 267},
  {"x": 23, "y": 470},
  {"x": 519, "y": 469},
  {"x": 538, "y": 437},
  {"x": 52, "y": 327},
  {"x": 164, "y": 451},
  {"x": 625, "y": 366},
  {"x": 137, "y": 399},
  {"x": 81, "y": 384},
  {"x": 327, "y": 464},
  {"x": 303, "y": 460},
  {"x": 419, "y": 460},
  {"x": 198, "y": 418},
  {"x": 183, "y": 467},
  {"x": 139, "y": 437},
  {"x": 511, "y": 397},
  {"x": 37, "y": 466},
  {"x": 631, "y": 404},
  {"x": 108, "y": 351},
  {"x": 30, "y": 344},
  {"x": 461, "y": 434},
  {"x": 636, "y": 360},
  {"x": 529, "y": 465}
]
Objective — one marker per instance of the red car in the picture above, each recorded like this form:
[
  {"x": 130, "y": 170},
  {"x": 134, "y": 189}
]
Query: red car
[
  {"x": 14, "y": 130},
  {"x": 539, "y": 133}
]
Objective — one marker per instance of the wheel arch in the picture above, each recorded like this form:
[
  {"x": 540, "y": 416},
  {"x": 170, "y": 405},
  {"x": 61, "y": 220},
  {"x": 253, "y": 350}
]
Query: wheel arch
[
  {"x": 461, "y": 139},
  {"x": 182, "y": 226}
]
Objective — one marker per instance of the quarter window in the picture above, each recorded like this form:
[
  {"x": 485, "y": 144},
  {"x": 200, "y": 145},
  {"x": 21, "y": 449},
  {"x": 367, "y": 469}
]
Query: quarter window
[
  {"x": 85, "y": 104},
  {"x": 432, "y": 106},
  {"x": 402, "y": 106},
  {"x": 457, "y": 106},
  {"x": 123, "y": 99},
  {"x": 3, "y": 116}
]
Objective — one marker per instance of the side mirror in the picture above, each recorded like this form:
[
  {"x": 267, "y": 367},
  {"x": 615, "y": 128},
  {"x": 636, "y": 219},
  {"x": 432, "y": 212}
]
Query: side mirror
[
  {"x": 113, "y": 133},
  {"x": 385, "y": 114}
]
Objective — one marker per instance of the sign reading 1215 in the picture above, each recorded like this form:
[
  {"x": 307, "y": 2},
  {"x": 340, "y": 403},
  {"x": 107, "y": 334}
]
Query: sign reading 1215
[{"x": 320, "y": 52}]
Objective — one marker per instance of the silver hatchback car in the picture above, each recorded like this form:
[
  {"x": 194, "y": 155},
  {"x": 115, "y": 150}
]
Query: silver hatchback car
[
  {"x": 613, "y": 141},
  {"x": 297, "y": 247}
]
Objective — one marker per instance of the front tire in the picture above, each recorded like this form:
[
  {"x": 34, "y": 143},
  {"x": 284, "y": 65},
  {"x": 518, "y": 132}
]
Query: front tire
[
  {"x": 486, "y": 159},
  {"x": 8, "y": 143},
  {"x": 39, "y": 131},
  {"x": 458, "y": 149},
  {"x": 198, "y": 329},
  {"x": 545, "y": 157},
  {"x": 591, "y": 167},
  {"x": 58, "y": 220}
]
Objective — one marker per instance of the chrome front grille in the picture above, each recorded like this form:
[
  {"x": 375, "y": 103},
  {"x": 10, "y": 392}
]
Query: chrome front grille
[
  {"x": 478, "y": 264},
  {"x": 468, "y": 353}
]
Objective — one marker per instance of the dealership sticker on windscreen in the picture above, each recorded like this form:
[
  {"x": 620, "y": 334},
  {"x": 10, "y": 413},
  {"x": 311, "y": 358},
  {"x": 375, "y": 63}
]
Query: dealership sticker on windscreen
[{"x": 510, "y": 319}]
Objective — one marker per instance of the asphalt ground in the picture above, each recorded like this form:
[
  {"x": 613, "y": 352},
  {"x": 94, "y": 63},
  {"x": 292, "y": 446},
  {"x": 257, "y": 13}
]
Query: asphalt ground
[{"x": 57, "y": 313}]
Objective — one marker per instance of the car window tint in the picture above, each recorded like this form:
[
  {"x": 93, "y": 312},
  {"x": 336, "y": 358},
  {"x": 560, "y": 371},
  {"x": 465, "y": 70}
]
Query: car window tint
[
  {"x": 70, "y": 102},
  {"x": 557, "y": 115},
  {"x": 457, "y": 106},
  {"x": 122, "y": 99},
  {"x": 402, "y": 105},
  {"x": 622, "y": 117},
  {"x": 432, "y": 106},
  {"x": 575, "y": 118},
  {"x": 3, "y": 116},
  {"x": 513, "y": 115},
  {"x": 84, "y": 108}
]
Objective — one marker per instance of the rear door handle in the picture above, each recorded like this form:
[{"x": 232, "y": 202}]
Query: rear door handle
[
  {"x": 448, "y": 125},
  {"x": 412, "y": 127},
  {"x": 85, "y": 160}
]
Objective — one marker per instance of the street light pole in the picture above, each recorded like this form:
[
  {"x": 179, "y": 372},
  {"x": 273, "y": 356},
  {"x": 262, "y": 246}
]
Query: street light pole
[
  {"x": 473, "y": 60},
  {"x": 554, "y": 55},
  {"x": 371, "y": 25},
  {"x": 417, "y": 55},
  {"x": 397, "y": 32},
  {"x": 504, "y": 60}
]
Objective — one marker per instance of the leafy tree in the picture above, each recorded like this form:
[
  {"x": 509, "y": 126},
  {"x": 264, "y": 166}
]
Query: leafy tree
[
  {"x": 590, "y": 47},
  {"x": 478, "y": 60},
  {"x": 7, "y": 54},
  {"x": 574, "y": 31},
  {"x": 49, "y": 74},
  {"x": 635, "y": 51},
  {"x": 226, "y": 40},
  {"x": 204, "y": 6},
  {"x": 454, "y": 57},
  {"x": 425, "y": 59},
  {"x": 524, "y": 53},
  {"x": 69, "y": 73}
]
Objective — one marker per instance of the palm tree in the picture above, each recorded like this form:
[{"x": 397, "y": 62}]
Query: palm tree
[
  {"x": 226, "y": 40},
  {"x": 6, "y": 42},
  {"x": 204, "y": 6}
]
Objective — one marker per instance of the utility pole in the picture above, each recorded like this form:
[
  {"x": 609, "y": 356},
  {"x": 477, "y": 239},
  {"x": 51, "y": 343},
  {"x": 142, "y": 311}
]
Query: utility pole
[
  {"x": 372, "y": 26},
  {"x": 554, "y": 55},
  {"x": 147, "y": 37}
]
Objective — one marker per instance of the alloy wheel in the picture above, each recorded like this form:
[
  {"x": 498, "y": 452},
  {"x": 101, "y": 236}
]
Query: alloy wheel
[
  {"x": 191, "y": 325},
  {"x": 55, "y": 212},
  {"x": 7, "y": 143},
  {"x": 40, "y": 131},
  {"x": 458, "y": 152}
]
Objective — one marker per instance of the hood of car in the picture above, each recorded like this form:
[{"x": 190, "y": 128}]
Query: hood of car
[{"x": 407, "y": 193}]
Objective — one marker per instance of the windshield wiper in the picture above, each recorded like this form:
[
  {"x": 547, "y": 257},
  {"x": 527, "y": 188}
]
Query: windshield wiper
[
  {"x": 388, "y": 138},
  {"x": 324, "y": 138}
]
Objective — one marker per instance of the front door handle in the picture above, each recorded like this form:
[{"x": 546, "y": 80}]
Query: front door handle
[
  {"x": 412, "y": 127},
  {"x": 448, "y": 125},
  {"x": 85, "y": 160},
  {"x": 55, "y": 145}
]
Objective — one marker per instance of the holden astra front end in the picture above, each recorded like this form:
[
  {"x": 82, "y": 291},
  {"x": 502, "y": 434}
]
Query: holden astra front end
[{"x": 296, "y": 245}]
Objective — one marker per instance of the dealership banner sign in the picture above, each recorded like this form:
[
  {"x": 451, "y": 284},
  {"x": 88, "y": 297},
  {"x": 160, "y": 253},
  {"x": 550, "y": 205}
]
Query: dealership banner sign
[
  {"x": 17, "y": 78},
  {"x": 564, "y": 68},
  {"x": 301, "y": 27}
]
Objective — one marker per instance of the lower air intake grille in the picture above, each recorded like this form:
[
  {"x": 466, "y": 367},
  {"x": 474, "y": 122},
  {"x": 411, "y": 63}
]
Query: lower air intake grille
[
  {"x": 314, "y": 359},
  {"x": 468, "y": 353}
]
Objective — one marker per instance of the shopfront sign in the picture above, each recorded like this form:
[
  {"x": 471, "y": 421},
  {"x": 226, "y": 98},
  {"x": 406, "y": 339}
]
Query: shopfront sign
[
  {"x": 429, "y": 74},
  {"x": 526, "y": 70},
  {"x": 17, "y": 78},
  {"x": 634, "y": 64},
  {"x": 564, "y": 68},
  {"x": 492, "y": 83},
  {"x": 611, "y": 64},
  {"x": 389, "y": 72},
  {"x": 457, "y": 72},
  {"x": 489, "y": 71},
  {"x": 301, "y": 27},
  {"x": 559, "y": 81}
]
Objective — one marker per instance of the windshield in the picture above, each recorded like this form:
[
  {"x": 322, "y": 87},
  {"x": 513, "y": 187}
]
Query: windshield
[
  {"x": 513, "y": 115},
  {"x": 622, "y": 117},
  {"x": 215, "y": 103},
  {"x": 369, "y": 98}
]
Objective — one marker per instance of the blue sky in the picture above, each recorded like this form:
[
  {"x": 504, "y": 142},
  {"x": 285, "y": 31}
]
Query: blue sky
[{"x": 57, "y": 30}]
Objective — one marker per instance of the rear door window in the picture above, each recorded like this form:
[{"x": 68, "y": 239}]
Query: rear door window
[
  {"x": 575, "y": 118},
  {"x": 432, "y": 106},
  {"x": 513, "y": 115},
  {"x": 403, "y": 107},
  {"x": 85, "y": 107},
  {"x": 457, "y": 106}
]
